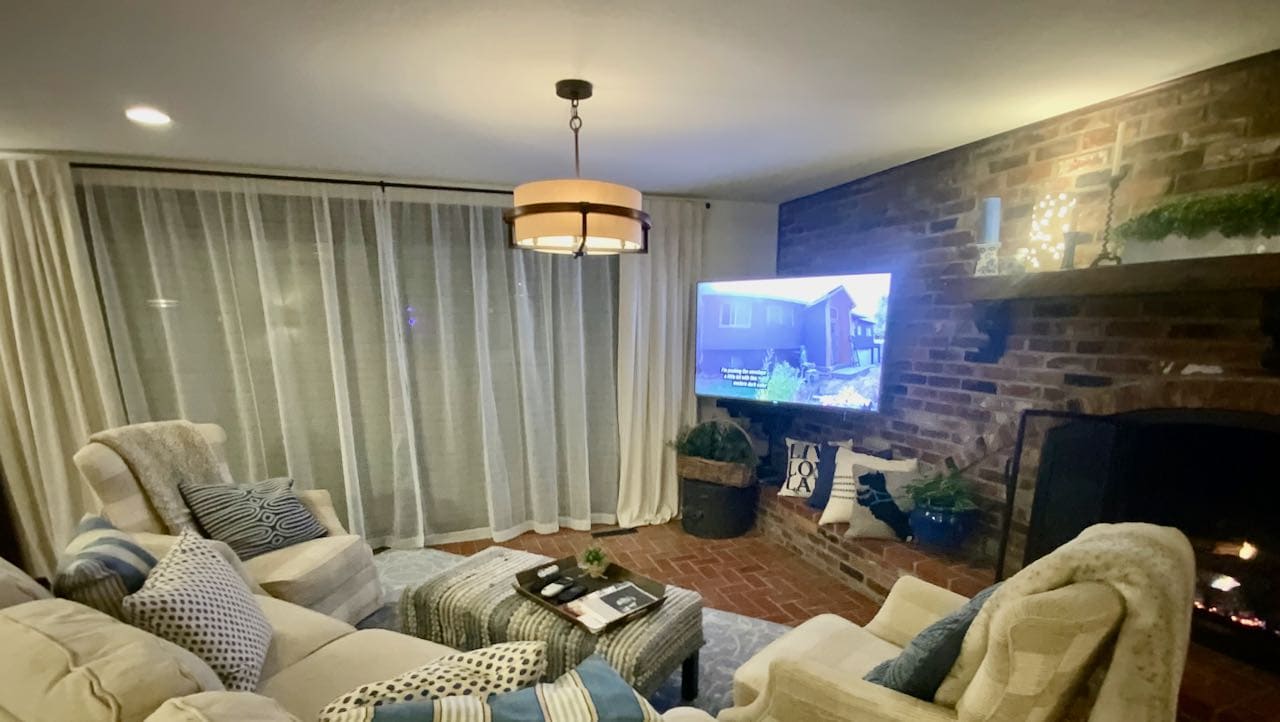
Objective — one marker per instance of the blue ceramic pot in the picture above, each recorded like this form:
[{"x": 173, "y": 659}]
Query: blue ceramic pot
[{"x": 942, "y": 527}]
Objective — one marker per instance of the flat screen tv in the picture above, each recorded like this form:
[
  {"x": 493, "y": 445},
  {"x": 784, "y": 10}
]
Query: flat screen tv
[{"x": 812, "y": 341}]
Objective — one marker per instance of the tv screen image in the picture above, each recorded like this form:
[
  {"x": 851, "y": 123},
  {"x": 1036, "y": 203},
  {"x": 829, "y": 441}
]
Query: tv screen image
[{"x": 816, "y": 340}]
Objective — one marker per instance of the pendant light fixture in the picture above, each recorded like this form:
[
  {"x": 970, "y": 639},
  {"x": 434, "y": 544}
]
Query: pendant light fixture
[{"x": 576, "y": 215}]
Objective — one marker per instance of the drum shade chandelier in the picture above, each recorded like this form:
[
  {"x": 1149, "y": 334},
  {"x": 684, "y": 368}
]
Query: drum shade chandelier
[{"x": 577, "y": 216}]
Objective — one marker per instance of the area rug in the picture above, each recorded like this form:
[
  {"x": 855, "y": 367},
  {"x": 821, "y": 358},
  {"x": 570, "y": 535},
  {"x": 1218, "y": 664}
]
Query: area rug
[{"x": 731, "y": 638}]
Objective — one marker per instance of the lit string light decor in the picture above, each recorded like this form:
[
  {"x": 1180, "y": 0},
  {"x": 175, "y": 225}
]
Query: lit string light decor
[{"x": 1050, "y": 223}]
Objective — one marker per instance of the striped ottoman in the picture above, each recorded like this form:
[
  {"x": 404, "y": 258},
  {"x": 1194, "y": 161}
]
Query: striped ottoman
[{"x": 473, "y": 605}]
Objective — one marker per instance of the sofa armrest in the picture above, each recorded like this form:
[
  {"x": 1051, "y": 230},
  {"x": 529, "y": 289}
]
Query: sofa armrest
[
  {"x": 158, "y": 545},
  {"x": 806, "y": 691},
  {"x": 221, "y": 707},
  {"x": 320, "y": 504},
  {"x": 912, "y": 605}
]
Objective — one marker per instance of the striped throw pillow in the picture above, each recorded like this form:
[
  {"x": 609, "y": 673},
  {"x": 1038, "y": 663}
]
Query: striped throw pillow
[
  {"x": 100, "y": 566},
  {"x": 253, "y": 518},
  {"x": 592, "y": 691}
]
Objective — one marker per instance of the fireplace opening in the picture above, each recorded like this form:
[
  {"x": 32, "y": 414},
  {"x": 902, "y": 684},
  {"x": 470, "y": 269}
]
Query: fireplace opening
[{"x": 1211, "y": 474}]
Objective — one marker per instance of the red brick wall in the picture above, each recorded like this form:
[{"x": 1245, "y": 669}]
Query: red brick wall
[{"x": 1212, "y": 130}]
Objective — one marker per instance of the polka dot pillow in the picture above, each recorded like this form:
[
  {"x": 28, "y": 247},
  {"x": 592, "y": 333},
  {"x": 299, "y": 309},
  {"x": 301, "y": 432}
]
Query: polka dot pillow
[
  {"x": 194, "y": 599},
  {"x": 493, "y": 670}
]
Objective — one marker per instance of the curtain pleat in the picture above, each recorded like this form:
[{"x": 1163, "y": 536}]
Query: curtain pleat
[
  {"x": 56, "y": 378},
  {"x": 387, "y": 347},
  {"x": 655, "y": 359}
]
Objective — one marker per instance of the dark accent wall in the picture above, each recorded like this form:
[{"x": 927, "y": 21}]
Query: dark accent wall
[{"x": 1212, "y": 130}]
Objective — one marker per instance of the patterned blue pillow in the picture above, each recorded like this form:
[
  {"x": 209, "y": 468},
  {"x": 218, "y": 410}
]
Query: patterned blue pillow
[
  {"x": 592, "y": 691},
  {"x": 927, "y": 658},
  {"x": 253, "y": 518},
  {"x": 101, "y": 566}
]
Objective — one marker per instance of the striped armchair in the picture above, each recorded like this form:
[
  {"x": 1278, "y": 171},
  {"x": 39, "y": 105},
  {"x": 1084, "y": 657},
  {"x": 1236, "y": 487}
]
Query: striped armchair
[{"x": 333, "y": 575}]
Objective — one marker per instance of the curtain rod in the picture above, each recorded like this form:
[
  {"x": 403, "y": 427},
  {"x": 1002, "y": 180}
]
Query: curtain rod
[{"x": 283, "y": 177}]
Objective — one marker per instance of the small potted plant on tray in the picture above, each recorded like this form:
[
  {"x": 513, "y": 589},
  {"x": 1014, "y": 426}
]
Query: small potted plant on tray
[
  {"x": 594, "y": 562},
  {"x": 945, "y": 512}
]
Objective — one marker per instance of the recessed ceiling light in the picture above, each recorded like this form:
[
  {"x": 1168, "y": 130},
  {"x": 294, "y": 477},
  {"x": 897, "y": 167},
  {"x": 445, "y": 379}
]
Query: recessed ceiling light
[{"x": 146, "y": 115}]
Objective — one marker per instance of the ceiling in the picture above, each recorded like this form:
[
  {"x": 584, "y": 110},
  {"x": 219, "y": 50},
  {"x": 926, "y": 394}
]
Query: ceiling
[{"x": 737, "y": 99}]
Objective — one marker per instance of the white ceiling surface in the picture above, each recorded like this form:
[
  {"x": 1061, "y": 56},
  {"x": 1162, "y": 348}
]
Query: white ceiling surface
[{"x": 740, "y": 99}]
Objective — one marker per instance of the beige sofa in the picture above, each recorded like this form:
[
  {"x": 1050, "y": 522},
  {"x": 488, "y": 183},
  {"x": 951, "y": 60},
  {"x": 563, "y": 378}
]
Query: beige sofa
[
  {"x": 63, "y": 661},
  {"x": 333, "y": 575},
  {"x": 814, "y": 673}
]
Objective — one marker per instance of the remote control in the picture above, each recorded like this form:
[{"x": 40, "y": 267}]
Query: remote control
[
  {"x": 538, "y": 585},
  {"x": 571, "y": 593},
  {"x": 545, "y": 572},
  {"x": 552, "y": 589}
]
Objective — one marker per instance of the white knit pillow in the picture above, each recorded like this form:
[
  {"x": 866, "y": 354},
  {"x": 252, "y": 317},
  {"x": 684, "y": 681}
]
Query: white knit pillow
[{"x": 194, "y": 599}]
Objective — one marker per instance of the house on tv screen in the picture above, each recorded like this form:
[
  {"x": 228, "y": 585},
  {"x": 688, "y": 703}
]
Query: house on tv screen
[{"x": 738, "y": 330}]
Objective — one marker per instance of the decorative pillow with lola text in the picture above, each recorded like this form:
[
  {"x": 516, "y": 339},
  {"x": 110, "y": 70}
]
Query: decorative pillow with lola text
[{"x": 802, "y": 468}]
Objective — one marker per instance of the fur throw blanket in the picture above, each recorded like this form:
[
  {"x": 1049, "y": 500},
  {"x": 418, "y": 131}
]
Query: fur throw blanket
[
  {"x": 1153, "y": 569},
  {"x": 162, "y": 454}
]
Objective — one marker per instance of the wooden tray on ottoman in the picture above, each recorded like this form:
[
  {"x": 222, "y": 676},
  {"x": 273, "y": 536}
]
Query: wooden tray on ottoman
[{"x": 614, "y": 574}]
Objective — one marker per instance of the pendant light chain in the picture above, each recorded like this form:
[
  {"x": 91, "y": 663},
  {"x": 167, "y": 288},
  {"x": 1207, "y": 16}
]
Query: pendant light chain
[{"x": 575, "y": 124}]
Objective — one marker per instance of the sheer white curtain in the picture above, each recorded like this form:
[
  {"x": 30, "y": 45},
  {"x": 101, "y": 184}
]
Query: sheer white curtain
[
  {"x": 655, "y": 359},
  {"x": 387, "y": 347},
  {"x": 56, "y": 380}
]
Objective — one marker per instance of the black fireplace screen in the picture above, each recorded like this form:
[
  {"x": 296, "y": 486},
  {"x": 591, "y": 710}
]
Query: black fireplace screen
[{"x": 1209, "y": 473}]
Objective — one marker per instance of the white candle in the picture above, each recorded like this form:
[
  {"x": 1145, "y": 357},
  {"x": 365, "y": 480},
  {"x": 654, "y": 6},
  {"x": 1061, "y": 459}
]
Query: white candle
[
  {"x": 991, "y": 220},
  {"x": 1115, "y": 152}
]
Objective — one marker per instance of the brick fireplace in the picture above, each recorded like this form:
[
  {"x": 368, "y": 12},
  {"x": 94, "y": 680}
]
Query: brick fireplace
[{"x": 969, "y": 356}]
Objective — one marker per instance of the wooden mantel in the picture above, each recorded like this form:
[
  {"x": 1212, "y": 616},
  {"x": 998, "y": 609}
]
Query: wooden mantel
[
  {"x": 1226, "y": 273},
  {"x": 992, "y": 296}
]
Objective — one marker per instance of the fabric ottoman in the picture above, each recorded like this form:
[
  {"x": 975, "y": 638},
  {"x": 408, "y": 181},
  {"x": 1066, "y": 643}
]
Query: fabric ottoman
[{"x": 474, "y": 605}]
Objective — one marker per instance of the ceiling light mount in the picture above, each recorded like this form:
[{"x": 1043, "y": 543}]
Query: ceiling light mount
[
  {"x": 575, "y": 215},
  {"x": 573, "y": 89}
]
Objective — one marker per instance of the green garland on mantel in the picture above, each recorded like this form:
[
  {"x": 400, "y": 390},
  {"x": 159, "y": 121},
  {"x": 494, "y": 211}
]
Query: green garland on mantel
[{"x": 1246, "y": 214}]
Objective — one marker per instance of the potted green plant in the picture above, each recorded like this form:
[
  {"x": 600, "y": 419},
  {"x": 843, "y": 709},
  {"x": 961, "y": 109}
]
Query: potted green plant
[
  {"x": 1221, "y": 224},
  {"x": 945, "y": 511},
  {"x": 594, "y": 562},
  {"x": 715, "y": 451}
]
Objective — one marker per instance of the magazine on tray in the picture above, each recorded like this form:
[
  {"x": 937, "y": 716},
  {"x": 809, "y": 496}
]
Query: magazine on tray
[{"x": 598, "y": 609}]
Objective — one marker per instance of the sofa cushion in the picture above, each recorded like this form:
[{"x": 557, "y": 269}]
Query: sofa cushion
[
  {"x": 17, "y": 587},
  {"x": 495, "y": 669},
  {"x": 195, "y": 599},
  {"x": 296, "y": 633},
  {"x": 101, "y": 565},
  {"x": 308, "y": 572},
  {"x": 927, "y": 658},
  {"x": 254, "y": 518},
  {"x": 80, "y": 664},
  {"x": 832, "y": 641},
  {"x": 221, "y": 707},
  {"x": 361, "y": 657}
]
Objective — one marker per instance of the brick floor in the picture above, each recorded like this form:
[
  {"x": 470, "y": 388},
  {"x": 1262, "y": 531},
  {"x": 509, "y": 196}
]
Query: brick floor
[
  {"x": 756, "y": 577},
  {"x": 749, "y": 575}
]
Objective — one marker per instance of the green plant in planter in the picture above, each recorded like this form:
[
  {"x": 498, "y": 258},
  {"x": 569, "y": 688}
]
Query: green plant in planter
[
  {"x": 594, "y": 561},
  {"x": 711, "y": 441},
  {"x": 1245, "y": 214},
  {"x": 948, "y": 490}
]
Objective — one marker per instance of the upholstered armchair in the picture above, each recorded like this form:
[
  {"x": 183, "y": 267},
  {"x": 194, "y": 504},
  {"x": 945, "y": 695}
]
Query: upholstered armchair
[
  {"x": 814, "y": 673},
  {"x": 1097, "y": 629},
  {"x": 333, "y": 575}
]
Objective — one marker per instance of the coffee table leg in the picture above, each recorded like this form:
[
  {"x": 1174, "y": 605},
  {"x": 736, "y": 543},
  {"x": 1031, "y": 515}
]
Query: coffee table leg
[{"x": 689, "y": 678}]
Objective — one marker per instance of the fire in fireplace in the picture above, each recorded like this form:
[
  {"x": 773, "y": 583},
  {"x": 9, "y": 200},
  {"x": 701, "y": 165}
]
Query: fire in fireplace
[{"x": 1210, "y": 474}]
